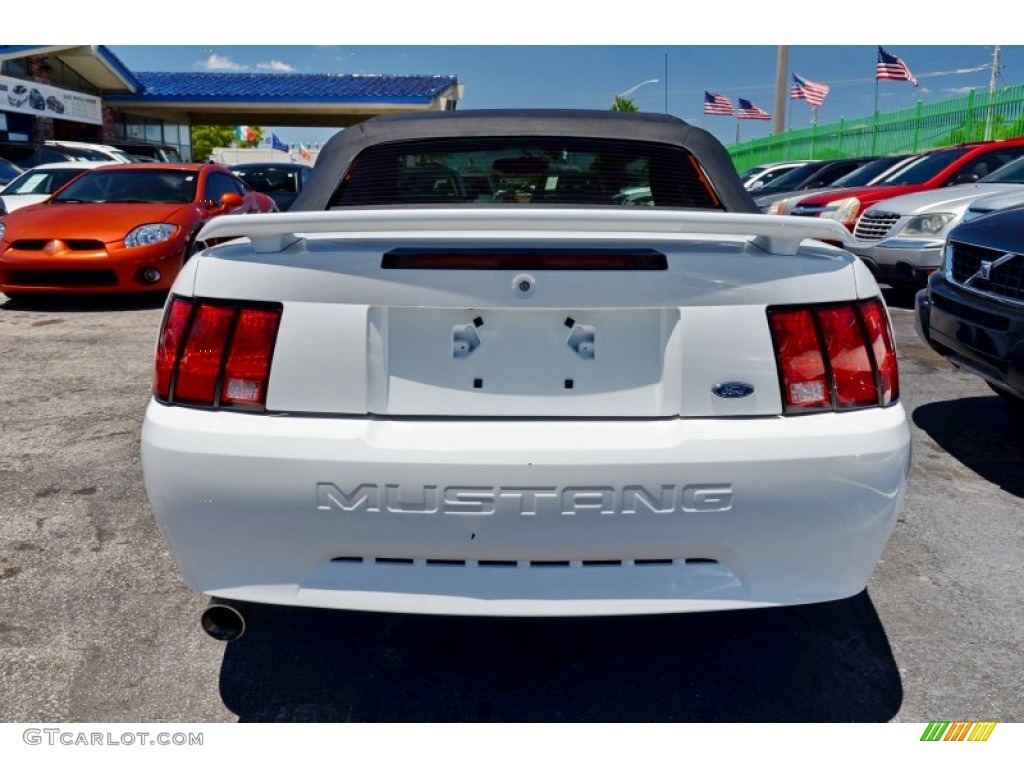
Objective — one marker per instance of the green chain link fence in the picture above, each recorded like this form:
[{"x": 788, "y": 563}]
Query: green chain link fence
[{"x": 974, "y": 117}]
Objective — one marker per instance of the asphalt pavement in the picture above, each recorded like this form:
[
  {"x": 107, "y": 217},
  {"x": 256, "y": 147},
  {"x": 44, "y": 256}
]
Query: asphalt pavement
[{"x": 97, "y": 626}]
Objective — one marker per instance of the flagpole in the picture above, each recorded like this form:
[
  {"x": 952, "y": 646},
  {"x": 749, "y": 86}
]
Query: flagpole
[
  {"x": 874, "y": 126},
  {"x": 814, "y": 116},
  {"x": 990, "y": 117},
  {"x": 789, "y": 128},
  {"x": 814, "y": 125}
]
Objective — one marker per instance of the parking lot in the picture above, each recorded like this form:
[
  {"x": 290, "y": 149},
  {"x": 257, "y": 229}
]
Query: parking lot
[{"x": 96, "y": 625}]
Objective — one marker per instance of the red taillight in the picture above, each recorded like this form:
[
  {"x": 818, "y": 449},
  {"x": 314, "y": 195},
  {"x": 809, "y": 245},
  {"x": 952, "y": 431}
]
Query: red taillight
[
  {"x": 799, "y": 354},
  {"x": 248, "y": 365},
  {"x": 618, "y": 259},
  {"x": 880, "y": 338},
  {"x": 201, "y": 360},
  {"x": 848, "y": 355},
  {"x": 834, "y": 357},
  {"x": 215, "y": 353},
  {"x": 169, "y": 345}
]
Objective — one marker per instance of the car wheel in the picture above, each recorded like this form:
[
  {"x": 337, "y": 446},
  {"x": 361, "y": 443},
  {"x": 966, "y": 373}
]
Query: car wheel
[{"x": 1015, "y": 401}]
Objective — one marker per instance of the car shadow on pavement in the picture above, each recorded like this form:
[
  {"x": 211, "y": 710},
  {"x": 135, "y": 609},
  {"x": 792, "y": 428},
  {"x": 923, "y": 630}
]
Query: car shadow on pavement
[
  {"x": 822, "y": 663},
  {"x": 982, "y": 433},
  {"x": 113, "y": 303},
  {"x": 898, "y": 298}
]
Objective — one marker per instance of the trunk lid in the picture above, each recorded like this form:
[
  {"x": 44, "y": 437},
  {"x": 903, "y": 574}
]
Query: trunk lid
[{"x": 537, "y": 314}]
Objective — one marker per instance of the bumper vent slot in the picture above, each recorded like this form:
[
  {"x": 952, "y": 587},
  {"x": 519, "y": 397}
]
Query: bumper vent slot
[
  {"x": 973, "y": 314},
  {"x": 69, "y": 245},
  {"x": 84, "y": 278},
  {"x": 444, "y": 562}
]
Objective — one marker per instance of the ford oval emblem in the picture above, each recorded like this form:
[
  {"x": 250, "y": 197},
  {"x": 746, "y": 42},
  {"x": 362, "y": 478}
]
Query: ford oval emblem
[{"x": 733, "y": 389}]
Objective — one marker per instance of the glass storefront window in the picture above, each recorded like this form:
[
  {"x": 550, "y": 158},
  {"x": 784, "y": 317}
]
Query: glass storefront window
[{"x": 14, "y": 68}]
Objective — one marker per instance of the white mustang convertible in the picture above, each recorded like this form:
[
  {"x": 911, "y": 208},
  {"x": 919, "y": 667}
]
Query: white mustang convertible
[{"x": 468, "y": 373}]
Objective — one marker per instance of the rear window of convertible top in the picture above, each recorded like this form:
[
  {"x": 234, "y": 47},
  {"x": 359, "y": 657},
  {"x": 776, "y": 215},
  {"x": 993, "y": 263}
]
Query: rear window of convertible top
[{"x": 521, "y": 171}]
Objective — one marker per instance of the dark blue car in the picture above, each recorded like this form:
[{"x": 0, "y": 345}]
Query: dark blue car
[{"x": 972, "y": 312}]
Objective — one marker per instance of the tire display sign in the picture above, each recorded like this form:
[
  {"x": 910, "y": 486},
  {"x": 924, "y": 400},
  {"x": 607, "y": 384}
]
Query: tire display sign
[{"x": 43, "y": 100}]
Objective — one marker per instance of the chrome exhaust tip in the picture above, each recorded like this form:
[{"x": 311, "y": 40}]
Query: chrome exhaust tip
[{"x": 222, "y": 621}]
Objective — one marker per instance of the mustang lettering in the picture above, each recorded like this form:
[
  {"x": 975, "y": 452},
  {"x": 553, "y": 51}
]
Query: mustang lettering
[{"x": 481, "y": 500}]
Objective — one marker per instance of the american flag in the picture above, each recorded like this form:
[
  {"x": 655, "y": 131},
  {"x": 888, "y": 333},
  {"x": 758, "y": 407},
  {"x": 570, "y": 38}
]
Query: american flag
[
  {"x": 892, "y": 67},
  {"x": 747, "y": 111},
  {"x": 808, "y": 90},
  {"x": 716, "y": 104}
]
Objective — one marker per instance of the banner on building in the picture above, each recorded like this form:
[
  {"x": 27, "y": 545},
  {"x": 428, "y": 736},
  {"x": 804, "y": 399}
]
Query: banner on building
[{"x": 41, "y": 100}]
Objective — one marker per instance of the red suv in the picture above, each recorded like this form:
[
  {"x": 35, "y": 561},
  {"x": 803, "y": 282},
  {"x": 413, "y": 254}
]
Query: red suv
[{"x": 962, "y": 164}]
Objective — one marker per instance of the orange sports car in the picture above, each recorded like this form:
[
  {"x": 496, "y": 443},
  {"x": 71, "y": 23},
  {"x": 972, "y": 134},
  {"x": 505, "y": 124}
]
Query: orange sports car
[{"x": 118, "y": 229}]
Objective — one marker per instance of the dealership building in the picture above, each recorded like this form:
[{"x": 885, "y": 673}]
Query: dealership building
[{"x": 85, "y": 93}]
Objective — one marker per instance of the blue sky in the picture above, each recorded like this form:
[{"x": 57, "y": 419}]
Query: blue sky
[
  {"x": 540, "y": 53},
  {"x": 588, "y": 76}
]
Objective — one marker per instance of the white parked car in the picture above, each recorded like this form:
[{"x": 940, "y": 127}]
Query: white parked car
[
  {"x": 86, "y": 151},
  {"x": 38, "y": 183},
  {"x": 396, "y": 398},
  {"x": 759, "y": 175},
  {"x": 902, "y": 239}
]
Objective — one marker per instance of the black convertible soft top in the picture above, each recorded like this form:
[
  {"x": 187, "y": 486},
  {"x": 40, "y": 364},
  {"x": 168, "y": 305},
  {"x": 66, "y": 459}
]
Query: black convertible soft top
[{"x": 336, "y": 157}]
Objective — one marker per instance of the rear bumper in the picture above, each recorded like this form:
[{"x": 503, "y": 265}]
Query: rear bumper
[
  {"x": 526, "y": 518},
  {"x": 900, "y": 261}
]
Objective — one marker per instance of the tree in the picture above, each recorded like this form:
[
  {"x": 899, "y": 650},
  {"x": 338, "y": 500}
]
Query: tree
[
  {"x": 206, "y": 137},
  {"x": 624, "y": 105}
]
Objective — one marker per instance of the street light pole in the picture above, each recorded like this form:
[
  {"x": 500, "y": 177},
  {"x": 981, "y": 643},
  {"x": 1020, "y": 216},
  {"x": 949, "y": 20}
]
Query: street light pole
[{"x": 625, "y": 93}]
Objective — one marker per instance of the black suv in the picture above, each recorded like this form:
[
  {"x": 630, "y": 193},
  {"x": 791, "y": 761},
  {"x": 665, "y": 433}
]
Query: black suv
[{"x": 972, "y": 312}]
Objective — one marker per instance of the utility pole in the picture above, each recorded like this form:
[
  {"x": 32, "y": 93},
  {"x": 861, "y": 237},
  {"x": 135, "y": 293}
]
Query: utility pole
[
  {"x": 781, "y": 76},
  {"x": 992, "y": 93},
  {"x": 666, "y": 83}
]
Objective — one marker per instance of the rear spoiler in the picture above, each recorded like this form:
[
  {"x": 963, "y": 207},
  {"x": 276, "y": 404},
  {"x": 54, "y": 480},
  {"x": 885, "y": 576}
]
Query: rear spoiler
[{"x": 273, "y": 232}]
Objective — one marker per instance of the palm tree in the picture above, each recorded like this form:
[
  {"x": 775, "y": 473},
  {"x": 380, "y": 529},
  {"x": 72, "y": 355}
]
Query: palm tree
[{"x": 622, "y": 104}]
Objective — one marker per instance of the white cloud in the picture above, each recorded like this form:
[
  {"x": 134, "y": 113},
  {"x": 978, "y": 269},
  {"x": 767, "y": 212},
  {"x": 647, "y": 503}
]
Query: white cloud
[
  {"x": 220, "y": 62},
  {"x": 276, "y": 66},
  {"x": 961, "y": 91}
]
